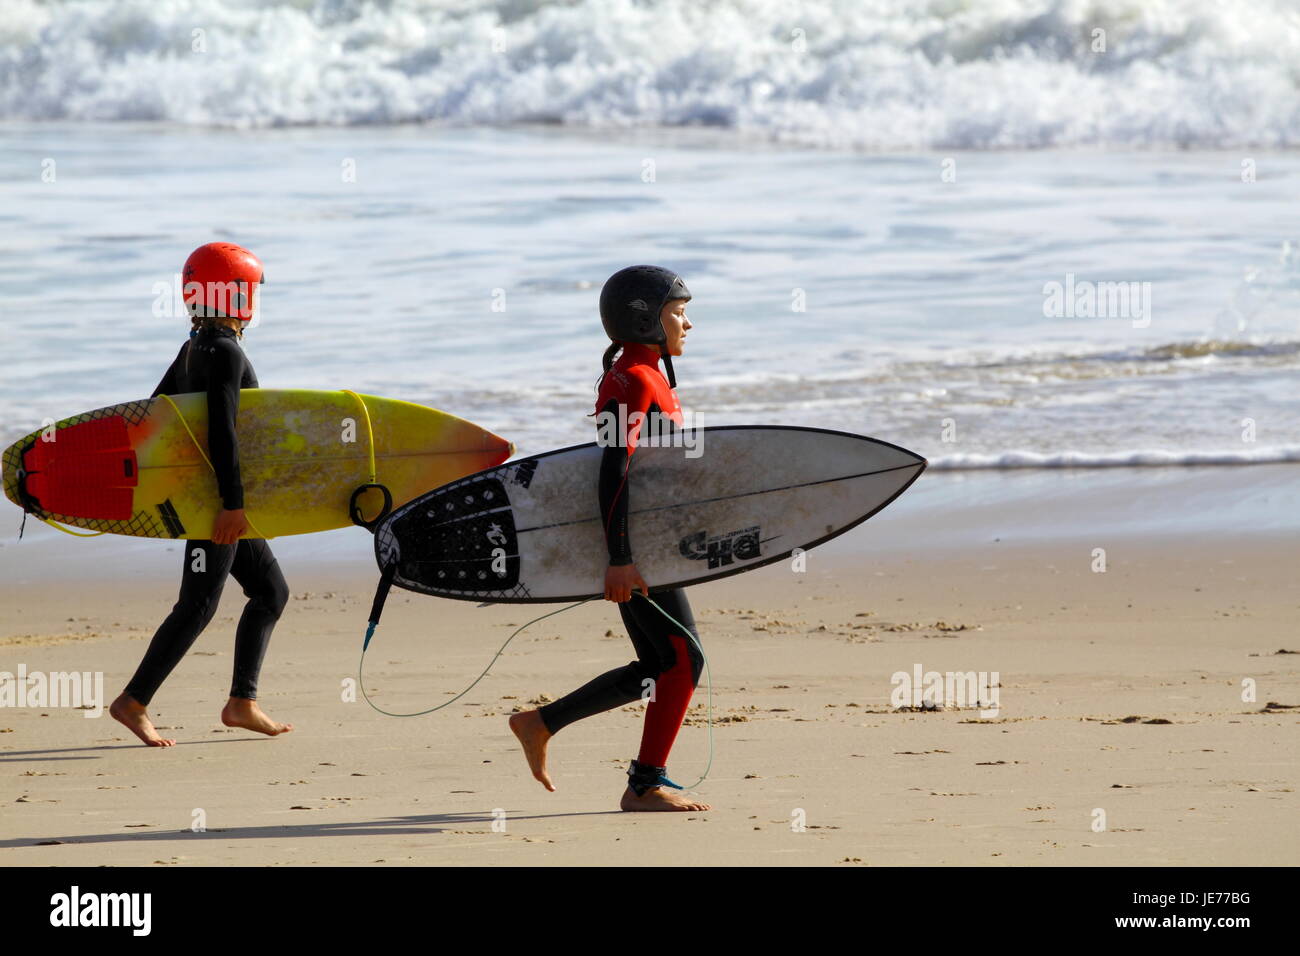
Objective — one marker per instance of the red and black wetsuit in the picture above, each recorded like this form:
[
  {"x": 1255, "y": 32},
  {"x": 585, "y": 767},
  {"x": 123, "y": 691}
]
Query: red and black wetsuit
[
  {"x": 212, "y": 361},
  {"x": 664, "y": 655}
]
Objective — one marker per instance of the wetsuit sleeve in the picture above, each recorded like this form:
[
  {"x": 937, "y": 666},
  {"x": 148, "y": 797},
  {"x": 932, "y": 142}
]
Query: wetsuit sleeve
[
  {"x": 224, "y": 375},
  {"x": 615, "y": 463},
  {"x": 169, "y": 385}
]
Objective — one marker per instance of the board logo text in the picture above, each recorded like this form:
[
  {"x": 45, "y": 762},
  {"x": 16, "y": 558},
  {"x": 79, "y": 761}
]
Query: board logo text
[{"x": 722, "y": 549}]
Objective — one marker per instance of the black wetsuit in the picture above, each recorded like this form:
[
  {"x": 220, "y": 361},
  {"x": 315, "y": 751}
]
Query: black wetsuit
[
  {"x": 213, "y": 362},
  {"x": 664, "y": 655}
]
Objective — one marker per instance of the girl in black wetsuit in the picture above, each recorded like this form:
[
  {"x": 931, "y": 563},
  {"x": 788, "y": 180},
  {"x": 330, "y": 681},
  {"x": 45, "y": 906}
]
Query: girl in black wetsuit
[
  {"x": 643, "y": 309},
  {"x": 220, "y": 284}
]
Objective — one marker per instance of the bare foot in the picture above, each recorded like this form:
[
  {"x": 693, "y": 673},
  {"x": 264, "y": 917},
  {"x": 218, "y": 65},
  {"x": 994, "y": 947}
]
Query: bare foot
[
  {"x": 533, "y": 735},
  {"x": 132, "y": 714},
  {"x": 242, "y": 712},
  {"x": 659, "y": 798}
]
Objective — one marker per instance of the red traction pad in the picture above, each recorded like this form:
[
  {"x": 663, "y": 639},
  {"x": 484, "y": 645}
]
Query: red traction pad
[{"x": 88, "y": 471}]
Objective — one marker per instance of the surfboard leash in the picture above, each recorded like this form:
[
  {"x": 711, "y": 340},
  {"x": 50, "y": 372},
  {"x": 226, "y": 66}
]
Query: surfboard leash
[
  {"x": 354, "y": 507},
  {"x": 57, "y": 527},
  {"x": 500, "y": 651},
  {"x": 377, "y": 608}
]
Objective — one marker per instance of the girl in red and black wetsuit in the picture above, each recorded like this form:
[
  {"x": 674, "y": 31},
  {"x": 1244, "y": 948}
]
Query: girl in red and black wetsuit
[{"x": 643, "y": 309}]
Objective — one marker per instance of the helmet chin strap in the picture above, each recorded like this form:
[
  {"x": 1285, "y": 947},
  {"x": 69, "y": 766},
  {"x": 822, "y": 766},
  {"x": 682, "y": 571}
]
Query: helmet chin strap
[{"x": 668, "y": 367}]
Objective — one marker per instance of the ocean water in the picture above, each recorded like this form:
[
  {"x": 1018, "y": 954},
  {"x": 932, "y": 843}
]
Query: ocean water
[
  {"x": 891, "y": 214},
  {"x": 461, "y": 269}
]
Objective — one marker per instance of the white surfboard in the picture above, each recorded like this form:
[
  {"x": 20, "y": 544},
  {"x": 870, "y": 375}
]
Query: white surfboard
[{"x": 728, "y": 499}]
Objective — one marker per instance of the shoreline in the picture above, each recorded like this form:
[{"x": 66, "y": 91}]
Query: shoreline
[{"x": 944, "y": 512}]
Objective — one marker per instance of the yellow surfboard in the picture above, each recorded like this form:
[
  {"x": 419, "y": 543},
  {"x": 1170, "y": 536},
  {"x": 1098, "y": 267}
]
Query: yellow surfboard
[{"x": 141, "y": 468}]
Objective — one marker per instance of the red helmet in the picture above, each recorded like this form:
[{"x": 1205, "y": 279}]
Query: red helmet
[{"x": 221, "y": 279}]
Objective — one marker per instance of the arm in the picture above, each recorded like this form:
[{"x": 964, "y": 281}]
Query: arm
[
  {"x": 224, "y": 373},
  {"x": 622, "y": 576},
  {"x": 614, "y": 463}
]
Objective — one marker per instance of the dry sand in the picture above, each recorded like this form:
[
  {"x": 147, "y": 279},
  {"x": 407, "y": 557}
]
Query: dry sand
[{"x": 1121, "y": 692}]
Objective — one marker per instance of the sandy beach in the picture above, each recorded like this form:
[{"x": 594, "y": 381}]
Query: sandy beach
[{"x": 1121, "y": 735}]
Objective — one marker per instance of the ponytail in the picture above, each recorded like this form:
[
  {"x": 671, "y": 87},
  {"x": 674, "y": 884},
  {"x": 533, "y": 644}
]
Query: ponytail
[{"x": 607, "y": 360}]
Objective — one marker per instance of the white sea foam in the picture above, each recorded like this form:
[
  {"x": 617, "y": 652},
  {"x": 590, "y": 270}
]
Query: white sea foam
[
  {"x": 1154, "y": 458},
  {"x": 868, "y": 74}
]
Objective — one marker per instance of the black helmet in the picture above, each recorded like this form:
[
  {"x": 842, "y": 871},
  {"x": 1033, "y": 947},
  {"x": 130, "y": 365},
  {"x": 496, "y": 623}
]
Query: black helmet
[{"x": 630, "y": 304}]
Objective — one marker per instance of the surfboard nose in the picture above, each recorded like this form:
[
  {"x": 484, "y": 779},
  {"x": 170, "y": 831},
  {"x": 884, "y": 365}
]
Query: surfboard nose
[{"x": 903, "y": 456}]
